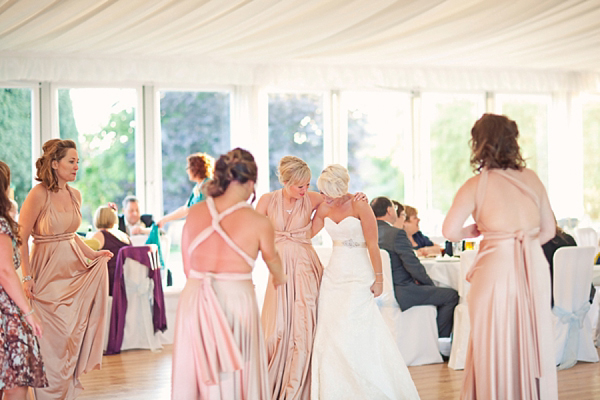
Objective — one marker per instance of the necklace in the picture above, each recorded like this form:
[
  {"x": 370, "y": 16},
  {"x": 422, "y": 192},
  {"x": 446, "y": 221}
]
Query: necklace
[{"x": 289, "y": 211}]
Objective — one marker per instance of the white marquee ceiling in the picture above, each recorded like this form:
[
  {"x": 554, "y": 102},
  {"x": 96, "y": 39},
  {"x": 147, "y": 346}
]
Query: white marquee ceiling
[{"x": 37, "y": 36}]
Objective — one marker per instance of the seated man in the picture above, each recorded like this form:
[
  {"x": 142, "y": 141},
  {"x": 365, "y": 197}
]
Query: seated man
[
  {"x": 131, "y": 222},
  {"x": 412, "y": 285}
]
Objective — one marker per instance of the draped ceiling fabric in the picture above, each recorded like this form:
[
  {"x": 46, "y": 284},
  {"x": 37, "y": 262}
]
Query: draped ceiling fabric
[{"x": 525, "y": 45}]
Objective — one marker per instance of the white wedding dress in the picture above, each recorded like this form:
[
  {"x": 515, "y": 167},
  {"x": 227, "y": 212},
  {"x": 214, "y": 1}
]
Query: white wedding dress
[{"x": 354, "y": 354}]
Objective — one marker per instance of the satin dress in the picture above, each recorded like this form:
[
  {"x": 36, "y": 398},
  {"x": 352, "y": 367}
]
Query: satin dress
[
  {"x": 289, "y": 313},
  {"x": 219, "y": 350},
  {"x": 70, "y": 298},
  {"x": 511, "y": 351}
]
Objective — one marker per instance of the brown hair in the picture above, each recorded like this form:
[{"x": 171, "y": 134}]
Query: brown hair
[
  {"x": 410, "y": 212},
  {"x": 54, "y": 150},
  {"x": 494, "y": 143},
  {"x": 237, "y": 165},
  {"x": 399, "y": 207},
  {"x": 5, "y": 203},
  {"x": 201, "y": 165}
]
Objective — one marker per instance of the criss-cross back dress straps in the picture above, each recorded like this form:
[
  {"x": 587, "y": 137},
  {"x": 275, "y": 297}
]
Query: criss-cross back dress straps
[{"x": 215, "y": 226}]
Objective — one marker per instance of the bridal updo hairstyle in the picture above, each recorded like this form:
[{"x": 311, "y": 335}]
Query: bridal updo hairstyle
[
  {"x": 237, "y": 165},
  {"x": 54, "y": 150},
  {"x": 293, "y": 170},
  {"x": 5, "y": 203},
  {"x": 333, "y": 181},
  {"x": 494, "y": 143}
]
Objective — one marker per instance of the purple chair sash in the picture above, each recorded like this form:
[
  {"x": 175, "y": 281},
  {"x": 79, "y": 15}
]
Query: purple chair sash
[{"x": 144, "y": 255}]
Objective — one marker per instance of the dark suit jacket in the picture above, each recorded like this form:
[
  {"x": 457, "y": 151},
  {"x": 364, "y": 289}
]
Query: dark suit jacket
[
  {"x": 407, "y": 270},
  {"x": 146, "y": 219}
]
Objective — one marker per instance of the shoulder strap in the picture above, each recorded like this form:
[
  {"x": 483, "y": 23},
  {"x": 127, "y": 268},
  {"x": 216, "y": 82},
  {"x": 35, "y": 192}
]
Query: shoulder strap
[{"x": 216, "y": 227}]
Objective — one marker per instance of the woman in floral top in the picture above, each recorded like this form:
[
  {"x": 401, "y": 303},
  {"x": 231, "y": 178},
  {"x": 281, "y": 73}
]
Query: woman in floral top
[{"x": 20, "y": 359}]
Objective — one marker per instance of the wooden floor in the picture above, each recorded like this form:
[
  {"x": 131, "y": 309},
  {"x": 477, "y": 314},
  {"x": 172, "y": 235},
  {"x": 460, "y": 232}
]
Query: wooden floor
[{"x": 143, "y": 375}]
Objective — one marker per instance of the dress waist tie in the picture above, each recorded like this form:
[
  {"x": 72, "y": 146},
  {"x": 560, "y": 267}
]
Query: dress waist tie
[
  {"x": 296, "y": 235},
  {"x": 529, "y": 352},
  {"x": 39, "y": 239},
  {"x": 218, "y": 350}
]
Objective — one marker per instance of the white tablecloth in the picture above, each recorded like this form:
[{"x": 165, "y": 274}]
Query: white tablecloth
[{"x": 443, "y": 273}]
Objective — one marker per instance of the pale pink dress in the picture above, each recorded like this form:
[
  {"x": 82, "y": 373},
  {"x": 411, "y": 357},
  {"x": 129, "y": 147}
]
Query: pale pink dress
[
  {"x": 70, "y": 298},
  {"x": 511, "y": 351},
  {"x": 219, "y": 350},
  {"x": 289, "y": 314}
]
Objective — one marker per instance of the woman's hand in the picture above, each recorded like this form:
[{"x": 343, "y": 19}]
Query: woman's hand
[
  {"x": 471, "y": 231},
  {"x": 360, "y": 196},
  {"x": 28, "y": 288},
  {"x": 279, "y": 279},
  {"x": 103, "y": 253},
  {"x": 377, "y": 288},
  {"x": 36, "y": 324}
]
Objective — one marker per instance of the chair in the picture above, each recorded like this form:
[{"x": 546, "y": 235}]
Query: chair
[
  {"x": 414, "y": 330},
  {"x": 586, "y": 237},
  {"x": 572, "y": 321},
  {"x": 138, "y": 309},
  {"x": 462, "y": 325}
]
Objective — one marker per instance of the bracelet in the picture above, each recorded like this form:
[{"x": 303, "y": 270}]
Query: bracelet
[
  {"x": 26, "y": 278},
  {"x": 379, "y": 273},
  {"x": 380, "y": 283},
  {"x": 27, "y": 314}
]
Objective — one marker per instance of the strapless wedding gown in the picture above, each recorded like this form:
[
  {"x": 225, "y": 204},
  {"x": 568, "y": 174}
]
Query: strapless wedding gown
[{"x": 354, "y": 354}]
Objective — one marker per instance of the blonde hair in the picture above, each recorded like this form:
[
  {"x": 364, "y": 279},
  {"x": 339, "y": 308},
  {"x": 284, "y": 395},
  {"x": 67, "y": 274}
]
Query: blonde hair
[
  {"x": 54, "y": 150},
  {"x": 105, "y": 217},
  {"x": 292, "y": 170},
  {"x": 410, "y": 212},
  {"x": 333, "y": 181}
]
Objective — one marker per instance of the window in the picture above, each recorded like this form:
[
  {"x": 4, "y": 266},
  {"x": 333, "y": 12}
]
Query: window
[
  {"x": 591, "y": 157},
  {"x": 448, "y": 118},
  {"x": 530, "y": 112},
  {"x": 15, "y": 129},
  {"x": 190, "y": 122},
  {"x": 102, "y": 122},
  {"x": 295, "y": 128},
  {"x": 378, "y": 155}
]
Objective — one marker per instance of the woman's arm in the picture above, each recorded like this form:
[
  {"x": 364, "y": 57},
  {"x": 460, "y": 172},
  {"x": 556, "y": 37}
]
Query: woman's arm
[
  {"x": 32, "y": 207},
  {"x": 318, "y": 219},
  {"x": 462, "y": 206},
  {"x": 369, "y": 228},
  {"x": 181, "y": 212},
  {"x": 88, "y": 252},
  {"x": 263, "y": 203},
  {"x": 269, "y": 252}
]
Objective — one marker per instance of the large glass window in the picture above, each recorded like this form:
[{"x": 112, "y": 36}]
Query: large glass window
[
  {"x": 15, "y": 136},
  {"x": 591, "y": 158},
  {"x": 449, "y": 119},
  {"x": 530, "y": 112},
  {"x": 295, "y": 128},
  {"x": 190, "y": 122},
  {"x": 102, "y": 123},
  {"x": 378, "y": 125}
]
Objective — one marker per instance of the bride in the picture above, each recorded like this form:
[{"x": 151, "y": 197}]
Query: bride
[{"x": 354, "y": 354}]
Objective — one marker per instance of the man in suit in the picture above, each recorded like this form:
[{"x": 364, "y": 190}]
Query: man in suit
[
  {"x": 412, "y": 285},
  {"x": 131, "y": 222}
]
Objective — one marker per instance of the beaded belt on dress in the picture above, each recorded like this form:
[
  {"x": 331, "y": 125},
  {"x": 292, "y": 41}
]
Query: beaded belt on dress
[{"x": 349, "y": 243}]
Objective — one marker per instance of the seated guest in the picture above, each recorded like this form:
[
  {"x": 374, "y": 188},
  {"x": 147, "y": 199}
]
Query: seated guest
[
  {"x": 109, "y": 238},
  {"x": 561, "y": 239},
  {"x": 400, "y": 213},
  {"x": 131, "y": 222},
  {"x": 418, "y": 240},
  {"x": 412, "y": 285}
]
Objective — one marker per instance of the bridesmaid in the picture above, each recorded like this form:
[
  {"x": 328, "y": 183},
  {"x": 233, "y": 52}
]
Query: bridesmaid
[
  {"x": 20, "y": 360},
  {"x": 69, "y": 294},
  {"x": 219, "y": 350},
  {"x": 289, "y": 312}
]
